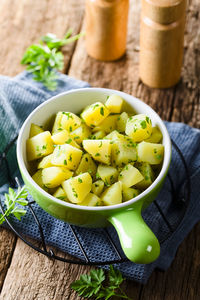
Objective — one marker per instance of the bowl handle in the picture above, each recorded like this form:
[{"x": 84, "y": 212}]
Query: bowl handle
[{"x": 138, "y": 242}]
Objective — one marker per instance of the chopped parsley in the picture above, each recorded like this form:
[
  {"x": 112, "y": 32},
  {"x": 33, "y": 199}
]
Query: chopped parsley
[
  {"x": 97, "y": 154},
  {"x": 70, "y": 128},
  {"x": 80, "y": 180},
  {"x": 158, "y": 156},
  {"x": 65, "y": 162},
  {"x": 70, "y": 157},
  {"x": 102, "y": 111},
  {"x": 74, "y": 192},
  {"x": 86, "y": 159},
  {"x": 100, "y": 145},
  {"x": 143, "y": 124}
]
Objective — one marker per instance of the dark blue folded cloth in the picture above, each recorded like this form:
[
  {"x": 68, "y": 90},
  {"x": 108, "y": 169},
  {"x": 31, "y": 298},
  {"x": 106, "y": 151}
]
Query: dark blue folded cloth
[{"x": 18, "y": 97}]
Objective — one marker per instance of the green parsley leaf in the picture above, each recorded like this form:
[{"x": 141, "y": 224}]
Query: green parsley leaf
[
  {"x": 44, "y": 59},
  {"x": 12, "y": 200}
]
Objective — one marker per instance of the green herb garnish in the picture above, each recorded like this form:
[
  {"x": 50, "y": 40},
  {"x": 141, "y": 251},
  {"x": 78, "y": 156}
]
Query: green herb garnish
[
  {"x": 45, "y": 58},
  {"x": 11, "y": 200},
  {"x": 94, "y": 285}
]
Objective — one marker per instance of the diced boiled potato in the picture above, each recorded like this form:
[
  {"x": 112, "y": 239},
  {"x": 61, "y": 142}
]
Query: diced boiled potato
[
  {"x": 113, "y": 194},
  {"x": 77, "y": 188},
  {"x": 129, "y": 193},
  {"x": 94, "y": 114},
  {"x": 91, "y": 200},
  {"x": 45, "y": 162},
  {"x": 60, "y": 194},
  {"x": 67, "y": 121},
  {"x": 53, "y": 176},
  {"x": 57, "y": 123},
  {"x": 97, "y": 187},
  {"x": 37, "y": 177},
  {"x": 66, "y": 156},
  {"x": 99, "y": 149},
  {"x": 150, "y": 153},
  {"x": 98, "y": 135},
  {"x": 38, "y": 146},
  {"x": 70, "y": 121},
  {"x": 114, "y": 103},
  {"x": 123, "y": 150},
  {"x": 112, "y": 135},
  {"x": 34, "y": 130},
  {"x": 87, "y": 165},
  {"x": 81, "y": 133},
  {"x": 139, "y": 127},
  {"x": 108, "y": 124},
  {"x": 130, "y": 176},
  {"x": 107, "y": 173},
  {"x": 63, "y": 137},
  {"x": 148, "y": 174},
  {"x": 121, "y": 122},
  {"x": 155, "y": 137}
]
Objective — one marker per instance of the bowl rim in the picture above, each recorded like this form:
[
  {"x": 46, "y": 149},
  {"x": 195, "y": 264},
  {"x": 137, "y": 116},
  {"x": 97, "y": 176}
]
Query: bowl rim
[{"x": 164, "y": 169}]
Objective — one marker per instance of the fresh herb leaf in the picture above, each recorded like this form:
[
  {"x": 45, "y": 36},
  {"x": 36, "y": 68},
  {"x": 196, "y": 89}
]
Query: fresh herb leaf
[
  {"x": 12, "y": 201},
  {"x": 94, "y": 285},
  {"x": 45, "y": 58}
]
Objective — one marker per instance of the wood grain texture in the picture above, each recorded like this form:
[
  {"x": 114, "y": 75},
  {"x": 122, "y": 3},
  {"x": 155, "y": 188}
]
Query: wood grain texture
[
  {"x": 7, "y": 244},
  {"x": 35, "y": 277}
]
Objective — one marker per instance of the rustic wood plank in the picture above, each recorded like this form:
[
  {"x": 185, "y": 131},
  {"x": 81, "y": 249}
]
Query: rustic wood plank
[
  {"x": 7, "y": 244},
  {"x": 24, "y": 22},
  {"x": 21, "y": 24}
]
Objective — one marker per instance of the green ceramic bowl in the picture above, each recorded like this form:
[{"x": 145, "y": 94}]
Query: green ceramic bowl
[{"x": 137, "y": 240}]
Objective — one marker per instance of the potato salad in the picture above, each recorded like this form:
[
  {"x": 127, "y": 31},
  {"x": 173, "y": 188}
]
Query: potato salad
[{"x": 104, "y": 156}]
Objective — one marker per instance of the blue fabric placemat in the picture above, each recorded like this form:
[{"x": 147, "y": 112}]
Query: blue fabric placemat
[{"x": 18, "y": 97}]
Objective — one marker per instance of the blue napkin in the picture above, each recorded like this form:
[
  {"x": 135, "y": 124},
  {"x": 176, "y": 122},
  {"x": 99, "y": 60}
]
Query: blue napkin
[{"x": 18, "y": 97}]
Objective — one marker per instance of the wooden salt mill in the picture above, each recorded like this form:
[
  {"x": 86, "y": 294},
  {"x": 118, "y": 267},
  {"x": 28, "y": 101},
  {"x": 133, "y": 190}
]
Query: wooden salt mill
[
  {"x": 106, "y": 28},
  {"x": 161, "y": 42}
]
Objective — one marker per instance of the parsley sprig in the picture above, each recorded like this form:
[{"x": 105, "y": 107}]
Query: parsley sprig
[
  {"x": 45, "y": 58},
  {"x": 12, "y": 201},
  {"x": 93, "y": 285}
]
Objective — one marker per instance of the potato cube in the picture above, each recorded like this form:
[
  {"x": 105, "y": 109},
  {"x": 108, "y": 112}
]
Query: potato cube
[
  {"x": 139, "y": 127},
  {"x": 112, "y": 135},
  {"x": 70, "y": 121},
  {"x": 63, "y": 137},
  {"x": 107, "y": 125},
  {"x": 60, "y": 194},
  {"x": 98, "y": 135},
  {"x": 57, "y": 123},
  {"x": 77, "y": 188},
  {"x": 45, "y": 162},
  {"x": 121, "y": 122},
  {"x": 37, "y": 177},
  {"x": 97, "y": 187},
  {"x": 155, "y": 137},
  {"x": 124, "y": 150},
  {"x": 148, "y": 174},
  {"x": 66, "y": 156},
  {"x": 129, "y": 193},
  {"x": 114, "y": 103},
  {"x": 87, "y": 165},
  {"x": 108, "y": 174},
  {"x": 100, "y": 150},
  {"x": 130, "y": 176},
  {"x": 94, "y": 114},
  {"x": 91, "y": 200},
  {"x": 38, "y": 146},
  {"x": 113, "y": 194},
  {"x": 34, "y": 130},
  {"x": 53, "y": 176},
  {"x": 81, "y": 133},
  {"x": 67, "y": 121},
  {"x": 150, "y": 153}
]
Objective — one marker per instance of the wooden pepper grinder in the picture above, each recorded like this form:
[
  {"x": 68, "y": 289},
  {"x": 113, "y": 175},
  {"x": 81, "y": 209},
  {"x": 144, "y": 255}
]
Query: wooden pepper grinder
[
  {"x": 161, "y": 42},
  {"x": 106, "y": 28}
]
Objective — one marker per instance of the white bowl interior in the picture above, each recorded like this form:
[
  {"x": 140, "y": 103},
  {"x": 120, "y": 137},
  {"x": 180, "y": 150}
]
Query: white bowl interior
[{"x": 75, "y": 101}]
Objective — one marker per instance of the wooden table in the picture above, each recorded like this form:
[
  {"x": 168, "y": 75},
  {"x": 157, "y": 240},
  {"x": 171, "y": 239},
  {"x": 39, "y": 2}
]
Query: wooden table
[{"x": 25, "y": 274}]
